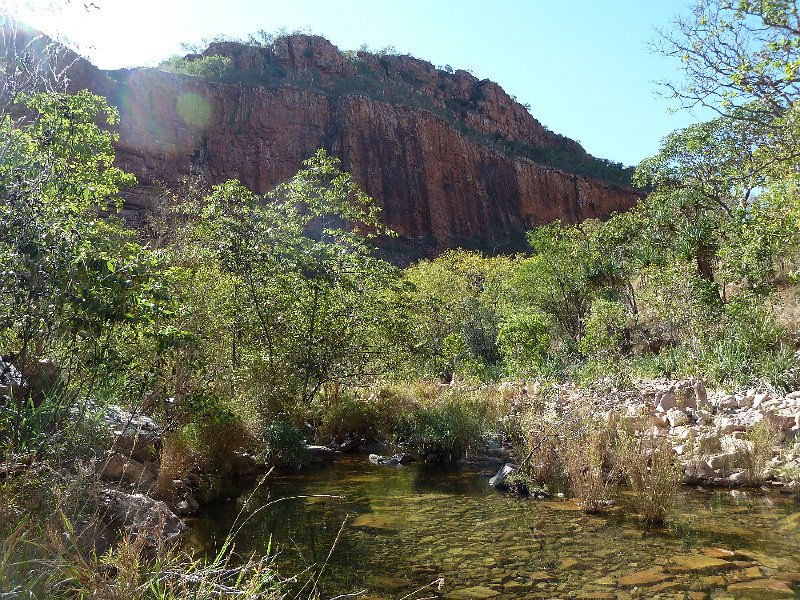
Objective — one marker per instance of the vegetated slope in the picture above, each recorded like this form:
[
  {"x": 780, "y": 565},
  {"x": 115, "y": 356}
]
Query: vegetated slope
[{"x": 451, "y": 159}]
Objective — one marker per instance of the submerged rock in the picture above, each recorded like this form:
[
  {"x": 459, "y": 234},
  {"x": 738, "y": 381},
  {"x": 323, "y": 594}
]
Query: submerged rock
[
  {"x": 483, "y": 462},
  {"x": 474, "y": 593},
  {"x": 647, "y": 577},
  {"x": 375, "y": 521},
  {"x": 761, "y": 588},
  {"x": 698, "y": 563},
  {"x": 387, "y": 582}
]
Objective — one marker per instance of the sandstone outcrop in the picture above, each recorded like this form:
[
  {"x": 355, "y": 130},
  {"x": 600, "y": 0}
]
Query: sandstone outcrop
[{"x": 451, "y": 159}]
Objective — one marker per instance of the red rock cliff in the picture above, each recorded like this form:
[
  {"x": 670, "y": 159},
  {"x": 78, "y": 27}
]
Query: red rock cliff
[{"x": 447, "y": 157}]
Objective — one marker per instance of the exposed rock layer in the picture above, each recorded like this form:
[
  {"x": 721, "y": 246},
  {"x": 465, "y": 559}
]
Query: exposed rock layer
[{"x": 431, "y": 147}]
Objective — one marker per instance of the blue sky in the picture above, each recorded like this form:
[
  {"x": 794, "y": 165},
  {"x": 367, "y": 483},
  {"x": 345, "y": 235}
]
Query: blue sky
[{"x": 583, "y": 65}]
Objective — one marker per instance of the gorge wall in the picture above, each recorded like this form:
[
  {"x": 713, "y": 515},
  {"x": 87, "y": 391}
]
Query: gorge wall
[{"x": 450, "y": 159}]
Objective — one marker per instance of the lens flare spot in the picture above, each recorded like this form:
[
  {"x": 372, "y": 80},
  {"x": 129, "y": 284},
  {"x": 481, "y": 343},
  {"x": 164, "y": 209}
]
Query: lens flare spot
[{"x": 194, "y": 109}]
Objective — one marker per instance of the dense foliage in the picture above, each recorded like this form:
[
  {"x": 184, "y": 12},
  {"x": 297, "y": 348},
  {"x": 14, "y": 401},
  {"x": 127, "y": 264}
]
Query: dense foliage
[
  {"x": 274, "y": 307},
  {"x": 267, "y": 322}
]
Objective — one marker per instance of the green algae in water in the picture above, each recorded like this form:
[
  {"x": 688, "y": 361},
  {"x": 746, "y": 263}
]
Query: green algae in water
[{"x": 406, "y": 527}]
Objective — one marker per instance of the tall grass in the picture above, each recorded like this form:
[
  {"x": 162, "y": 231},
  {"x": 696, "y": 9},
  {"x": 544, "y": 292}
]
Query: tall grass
[
  {"x": 597, "y": 453},
  {"x": 49, "y": 565},
  {"x": 439, "y": 423},
  {"x": 756, "y": 452},
  {"x": 56, "y": 552},
  {"x": 587, "y": 454},
  {"x": 537, "y": 441},
  {"x": 653, "y": 474},
  {"x": 444, "y": 428}
]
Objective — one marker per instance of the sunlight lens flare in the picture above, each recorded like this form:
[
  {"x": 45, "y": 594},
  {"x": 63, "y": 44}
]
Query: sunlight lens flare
[{"x": 194, "y": 109}]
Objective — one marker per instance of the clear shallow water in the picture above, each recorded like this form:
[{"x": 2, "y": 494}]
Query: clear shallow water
[{"x": 407, "y": 526}]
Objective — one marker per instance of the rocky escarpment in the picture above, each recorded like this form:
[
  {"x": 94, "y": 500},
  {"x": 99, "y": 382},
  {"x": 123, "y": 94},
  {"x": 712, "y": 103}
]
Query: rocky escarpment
[{"x": 449, "y": 158}]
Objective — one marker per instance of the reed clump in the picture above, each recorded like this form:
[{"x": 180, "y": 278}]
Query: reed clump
[
  {"x": 652, "y": 472},
  {"x": 588, "y": 459},
  {"x": 756, "y": 452}
]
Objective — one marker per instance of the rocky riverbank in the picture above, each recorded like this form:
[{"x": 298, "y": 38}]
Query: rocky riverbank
[
  {"x": 709, "y": 430},
  {"x": 714, "y": 433}
]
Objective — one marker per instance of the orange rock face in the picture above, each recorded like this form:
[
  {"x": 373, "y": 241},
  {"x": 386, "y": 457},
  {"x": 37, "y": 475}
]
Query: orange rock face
[{"x": 438, "y": 151}]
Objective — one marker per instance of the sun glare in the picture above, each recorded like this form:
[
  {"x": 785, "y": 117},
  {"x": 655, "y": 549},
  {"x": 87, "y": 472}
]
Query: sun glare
[{"x": 112, "y": 34}]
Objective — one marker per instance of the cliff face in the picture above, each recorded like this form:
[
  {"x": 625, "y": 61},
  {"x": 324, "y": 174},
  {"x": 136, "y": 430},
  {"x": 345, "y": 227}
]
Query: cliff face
[{"x": 444, "y": 154}]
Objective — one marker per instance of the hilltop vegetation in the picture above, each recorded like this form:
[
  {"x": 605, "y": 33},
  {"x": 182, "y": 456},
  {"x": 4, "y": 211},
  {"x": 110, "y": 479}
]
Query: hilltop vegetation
[
  {"x": 259, "y": 323},
  {"x": 387, "y": 76}
]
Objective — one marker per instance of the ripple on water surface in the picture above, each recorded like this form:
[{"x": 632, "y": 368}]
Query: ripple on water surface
[{"x": 405, "y": 527}]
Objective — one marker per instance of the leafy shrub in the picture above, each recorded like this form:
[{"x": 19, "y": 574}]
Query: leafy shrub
[
  {"x": 350, "y": 416},
  {"x": 748, "y": 347},
  {"x": 285, "y": 446},
  {"x": 678, "y": 306},
  {"x": 207, "y": 437},
  {"x": 214, "y": 432},
  {"x": 205, "y": 67},
  {"x": 444, "y": 429},
  {"x": 604, "y": 342},
  {"x": 605, "y": 329}
]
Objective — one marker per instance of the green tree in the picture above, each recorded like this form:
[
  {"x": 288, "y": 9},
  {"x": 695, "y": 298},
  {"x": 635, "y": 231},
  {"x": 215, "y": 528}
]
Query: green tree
[
  {"x": 71, "y": 280},
  {"x": 524, "y": 341},
  {"x": 606, "y": 329},
  {"x": 558, "y": 280},
  {"x": 56, "y": 177},
  {"x": 741, "y": 58},
  {"x": 713, "y": 200},
  {"x": 722, "y": 162},
  {"x": 760, "y": 239},
  {"x": 456, "y": 305},
  {"x": 312, "y": 303},
  {"x": 735, "y": 52}
]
